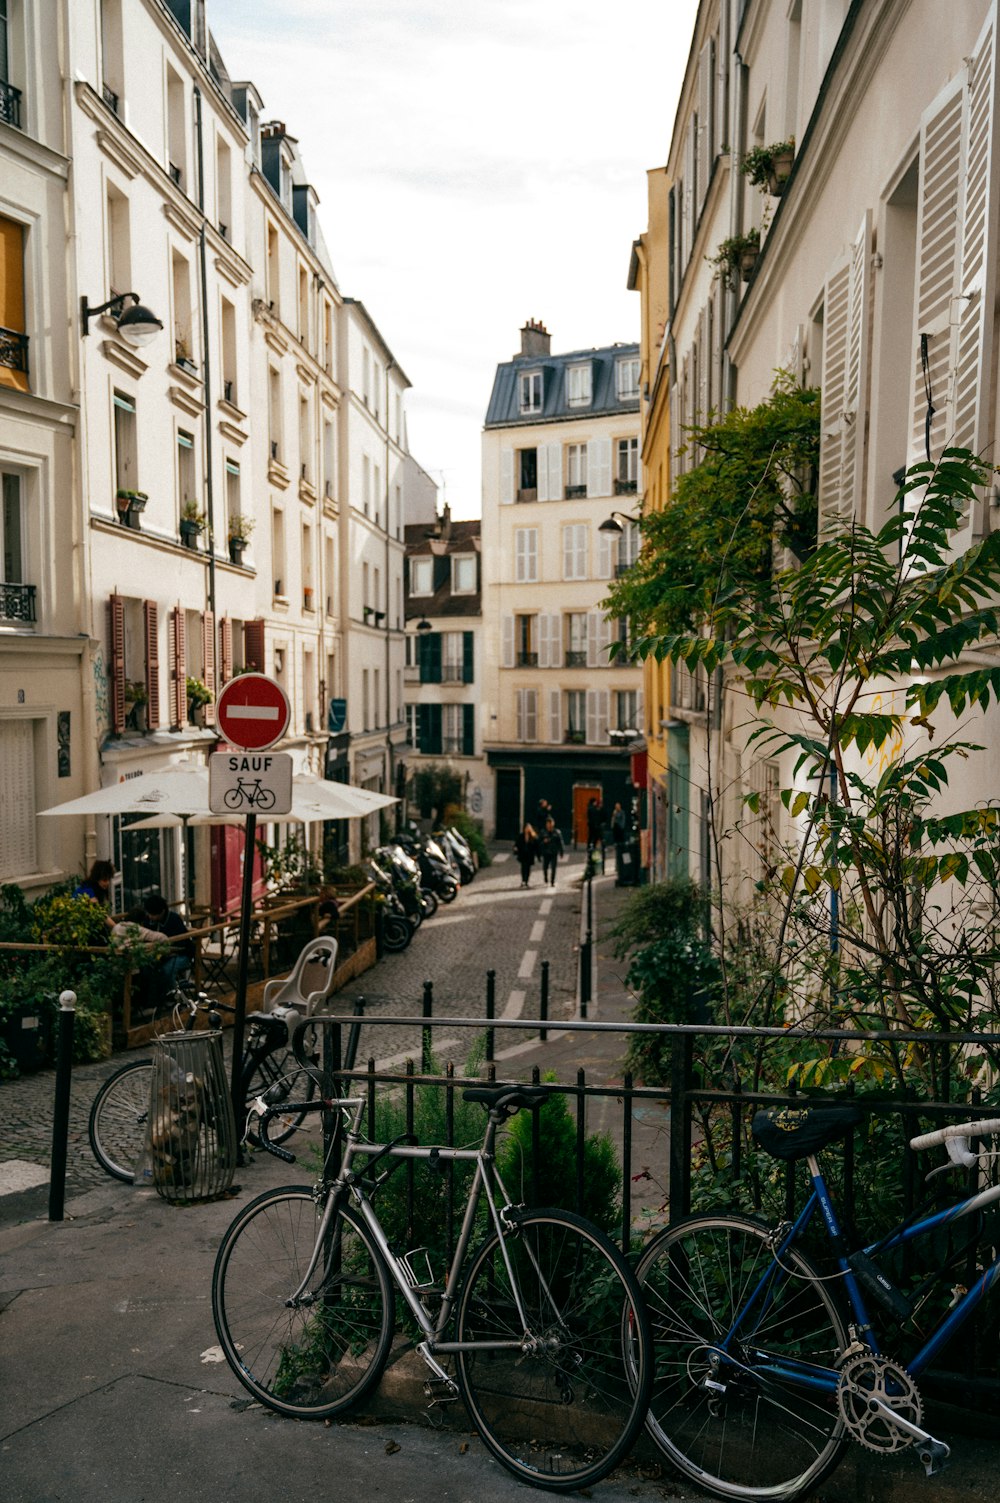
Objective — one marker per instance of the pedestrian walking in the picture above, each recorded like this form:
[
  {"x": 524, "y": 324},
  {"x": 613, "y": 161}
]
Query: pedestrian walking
[
  {"x": 550, "y": 844},
  {"x": 618, "y": 833},
  {"x": 595, "y": 829},
  {"x": 543, "y": 813},
  {"x": 526, "y": 851}
]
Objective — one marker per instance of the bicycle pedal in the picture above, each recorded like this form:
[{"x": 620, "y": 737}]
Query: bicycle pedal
[{"x": 934, "y": 1456}]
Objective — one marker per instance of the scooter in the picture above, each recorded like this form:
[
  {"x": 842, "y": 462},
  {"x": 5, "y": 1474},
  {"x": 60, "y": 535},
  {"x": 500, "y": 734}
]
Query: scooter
[{"x": 461, "y": 855}]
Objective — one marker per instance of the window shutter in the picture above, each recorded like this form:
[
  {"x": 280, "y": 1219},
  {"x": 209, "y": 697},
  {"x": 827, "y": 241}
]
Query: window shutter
[
  {"x": 152, "y": 643},
  {"x": 592, "y": 716},
  {"x": 599, "y": 467},
  {"x": 555, "y": 640},
  {"x": 430, "y": 668},
  {"x": 568, "y": 552},
  {"x": 542, "y": 621},
  {"x": 603, "y": 701},
  {"x": 18, "y": 849},
  {"x": 253, "y": 645},
  {"x": 605, "y": 550},
  {"x": 506, "y": 477},
  {"x": 225, "y": 649},
  {"x": 706, "y": 131},
  {"x": 833, "y": 386},
  {"x": 434, "y": 730},
  {"x": 468, "y": 731},
  {"x": 604, "y": 630},
  {"x": 422, "y": 731},
  {"x": 116, "y": 662},
  {"x": 640, "y": 712},
  {"x": 468, "y": 657},
  {"x": 531, "y": 714},
  {"x": 507, "y": 660},
  {"x": 938, "y": 208},
  {"x": 977, "y": 271},
  {"x": 178, "y": 668},
  {"x": 582, "y": 550},
  {"x": 593, "y": 620},
  {"x": 856, "y": 376},
  {"x": 554, "y": 464},
  {"x": 208, "y": 658},
  {"x": 555, "y": 715},
  {"x": 532, "y": 556}
]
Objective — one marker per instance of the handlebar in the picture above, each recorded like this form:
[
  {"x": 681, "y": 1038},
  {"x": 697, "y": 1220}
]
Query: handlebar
[
  {"x": 957, "y": 1139},
  {"x": 265, "y": 1142}
]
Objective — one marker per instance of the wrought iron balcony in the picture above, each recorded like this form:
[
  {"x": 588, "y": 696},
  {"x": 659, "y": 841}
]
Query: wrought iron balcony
[
  {"x": 110, "y": 98},
  {"x": 10, "y": 105},
  {"x": 14, "y": 350},
  {"x": 451, "y": 746},
  {"x": 626, "y": 487},
  {"x": 571, "y": 492},
  {"x": 451, "y": 673},
  {"x": 623, "y": 567},
  {"x": 576, "y": 658},
  {"x": 17, "y": 602},
  {"x": 527, "y": 660}
]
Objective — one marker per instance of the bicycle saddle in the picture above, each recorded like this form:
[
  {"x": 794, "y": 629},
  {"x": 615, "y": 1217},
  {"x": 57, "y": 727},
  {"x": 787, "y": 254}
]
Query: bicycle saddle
[
  {"x": 794, "y": 1132},
  {"x": 509, "y": 1097}
]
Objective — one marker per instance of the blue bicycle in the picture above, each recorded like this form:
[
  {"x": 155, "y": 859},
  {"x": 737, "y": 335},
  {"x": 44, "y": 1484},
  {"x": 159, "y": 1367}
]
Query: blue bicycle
[{"x": 767, "y": 1367}]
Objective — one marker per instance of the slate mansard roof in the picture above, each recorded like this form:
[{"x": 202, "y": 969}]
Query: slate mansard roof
[{"x": 504, "y": 408}]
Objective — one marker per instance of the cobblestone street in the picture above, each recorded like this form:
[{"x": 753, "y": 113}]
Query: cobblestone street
[{"x": 493, "y": 924}]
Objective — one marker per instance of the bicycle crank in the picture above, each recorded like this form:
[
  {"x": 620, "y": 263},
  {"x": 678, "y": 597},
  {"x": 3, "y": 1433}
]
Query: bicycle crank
[{"x": 881, "y": 1406}]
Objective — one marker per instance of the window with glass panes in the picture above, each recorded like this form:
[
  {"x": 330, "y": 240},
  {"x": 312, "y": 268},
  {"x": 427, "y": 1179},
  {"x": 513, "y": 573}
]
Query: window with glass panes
[
  {"x": 576, "y": 640},
  {"x": 527, "y": 648},
  {"x": 451, "y": 657},
  {"x": 576, "y": 714},
  {"x": 627, "y": 378},
  {"x": 627, "y": 710},
  {"x": 576, "y": 469},
  {"x": 421, "y": 576},
  {"x": 463, "y": 576},
  {"x": 626, "y": 466},
  {"x": 125, "y": 443},
  {"x": 531, "y": 392},
  {"x": 578, "y": 385}
]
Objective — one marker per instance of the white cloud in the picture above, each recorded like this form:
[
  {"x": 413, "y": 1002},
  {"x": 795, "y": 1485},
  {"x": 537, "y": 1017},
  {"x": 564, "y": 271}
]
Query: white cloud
[{"x": 477, "y": 164}]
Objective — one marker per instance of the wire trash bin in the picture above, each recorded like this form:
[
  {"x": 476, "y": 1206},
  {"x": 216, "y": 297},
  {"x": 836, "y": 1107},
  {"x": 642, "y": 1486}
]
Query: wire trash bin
[{"x": 191, "y": 1144}]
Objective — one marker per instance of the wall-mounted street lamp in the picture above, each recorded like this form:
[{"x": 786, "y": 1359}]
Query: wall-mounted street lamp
[
  {"x": 136, "y": 325},
  {"x": 617, "y": 522},
  {"x": 424, "y": 625}
]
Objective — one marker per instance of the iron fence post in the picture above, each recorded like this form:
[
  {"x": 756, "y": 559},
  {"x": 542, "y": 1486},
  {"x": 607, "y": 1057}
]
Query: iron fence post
[
  {"x": 586, "y": 964},
  {"x": 425, "y": 1033},
  {"x": 491, "y": 1012},
  {"x": 681, "y": 1054},
  {"x": 543, "y": 1005}
]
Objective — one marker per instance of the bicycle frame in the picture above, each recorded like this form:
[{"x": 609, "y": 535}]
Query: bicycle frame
[
  {"x": 826, "y": 1379},
  {"x": 486, "y": 1181}
]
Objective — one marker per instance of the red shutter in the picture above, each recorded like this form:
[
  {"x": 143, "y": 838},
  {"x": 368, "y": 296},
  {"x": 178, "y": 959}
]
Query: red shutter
[
  {"x": 116, "y": 663},
  {"x": 152, "y": 665},
  {"x": 225, "y": 650},
  {"x": 178, "y": 668},
  {"x": 208, "y": 658},
  {"x": 253, "y": 645}
]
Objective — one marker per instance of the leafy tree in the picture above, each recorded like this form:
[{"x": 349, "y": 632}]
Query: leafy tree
[{"x": 436, "y": 785}]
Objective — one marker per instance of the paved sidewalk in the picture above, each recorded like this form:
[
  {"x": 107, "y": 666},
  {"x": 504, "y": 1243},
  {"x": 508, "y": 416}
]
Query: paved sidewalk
[{"x": 111, "y": 1383}]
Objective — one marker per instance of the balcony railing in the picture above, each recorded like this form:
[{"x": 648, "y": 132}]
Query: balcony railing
[
  {"x": 527, "y": 493},
  {"x": 626, "y": 487},
  {"x": 451, "y": 673},
  {"x": 623, "y": 566},
  {"x": 576, "y": 658},
  {"x": 14, "y": 350},
  {"x": 451, "y": 746},
  {"x": 10, "y": 105},
  {"x": 527, "y": 660},
  {"x": 110, "y": 98},
  {"x": 17, "y": 602},
  {"x": 571, "y": 492}
]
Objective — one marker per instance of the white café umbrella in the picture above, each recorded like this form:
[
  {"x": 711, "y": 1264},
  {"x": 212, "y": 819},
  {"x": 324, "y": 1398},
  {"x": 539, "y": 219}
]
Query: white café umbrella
[{"x": 184, "y": 792}]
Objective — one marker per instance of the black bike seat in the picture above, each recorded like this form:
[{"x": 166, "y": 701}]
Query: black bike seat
[
  {"x": 790, "y": 1133},
  {"x": 507, "y": 1095}
]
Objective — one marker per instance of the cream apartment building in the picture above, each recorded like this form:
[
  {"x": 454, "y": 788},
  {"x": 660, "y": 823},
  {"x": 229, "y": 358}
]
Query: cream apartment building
[{"x": 560, "y": 457}]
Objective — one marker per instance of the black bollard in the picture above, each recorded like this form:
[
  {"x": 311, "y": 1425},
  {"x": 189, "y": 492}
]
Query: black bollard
[
  {"x": 491, "y": 1011},
  {"x": 425, "y": 1033},
  {"x": 543, "y": 1006},
  {"x": 60, "y": 1110}
]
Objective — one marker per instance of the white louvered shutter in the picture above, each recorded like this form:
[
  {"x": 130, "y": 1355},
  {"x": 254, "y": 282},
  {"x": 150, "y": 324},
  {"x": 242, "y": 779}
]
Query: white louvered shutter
[
  {"x": 706, "y": 125},
  {"x": 603, "y": 702},
  {"x": 568, "y": 551},
  {"x": 519, "y": 702},
  {"x": 856, "y": 378},
  {"x": 593, "y": 627},
  {"x": 605, "y": 554},
  {"x": 550, "y": 472},
  {"x": 604, "y": 632},
  {"x": 507, "y": 649},
  {"x": 555, "y": 640},
  {"x": 640, "y": 711},
  {"x": 506, "y": 477},
  {"x": 555, "y": 715},
  {"x": 974, "y": 355},
  {"x": 592, "y": 716},
  {"x": 543, "y": 639},
  {"x": 599, "y": 467},
  {"x": 18, "y": 848},
  {"x": 531, "y": 559},
  {"x": 833, "y": 390},
  {"x": 938, "y": 248},
  {"x": 690, "y": 186},
  {"x": 530, "y": 714}
]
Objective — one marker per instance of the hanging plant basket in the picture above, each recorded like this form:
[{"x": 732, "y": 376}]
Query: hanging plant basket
[
  {"x": 237, "y": 547},
  {"x": 190, "y": 532}
]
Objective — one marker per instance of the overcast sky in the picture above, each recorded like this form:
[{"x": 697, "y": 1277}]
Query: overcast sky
[{"x": 479, "y": 163}]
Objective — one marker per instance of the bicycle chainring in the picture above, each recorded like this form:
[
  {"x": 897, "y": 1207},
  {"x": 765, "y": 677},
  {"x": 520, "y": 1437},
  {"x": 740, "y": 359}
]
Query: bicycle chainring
[{"x": 865, "y": 1378}]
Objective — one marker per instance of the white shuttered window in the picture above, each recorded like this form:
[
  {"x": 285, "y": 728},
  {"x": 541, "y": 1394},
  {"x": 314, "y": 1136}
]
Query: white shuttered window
[
  {"x": 18, "y": 849},
  {"x": 526, "y": 555}
]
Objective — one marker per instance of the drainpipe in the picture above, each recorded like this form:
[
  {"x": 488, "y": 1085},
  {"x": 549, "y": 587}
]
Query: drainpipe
[
  {"x": 206, "y": 363},
  {"x": 390, "y": 770}
]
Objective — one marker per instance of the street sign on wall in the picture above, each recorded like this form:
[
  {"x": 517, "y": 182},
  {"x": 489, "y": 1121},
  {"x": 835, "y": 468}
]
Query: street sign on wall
[
  {"x": 253, "y": 711},
  {"x": 250, "y": 783}
]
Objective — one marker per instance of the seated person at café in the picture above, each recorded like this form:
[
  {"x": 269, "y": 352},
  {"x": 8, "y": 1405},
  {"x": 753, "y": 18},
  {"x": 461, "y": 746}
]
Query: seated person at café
[{"x": 165, "y": 923}]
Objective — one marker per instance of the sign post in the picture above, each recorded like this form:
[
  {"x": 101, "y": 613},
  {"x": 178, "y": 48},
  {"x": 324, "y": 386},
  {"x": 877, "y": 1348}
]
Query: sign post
[{"x": 253, "y": 713}]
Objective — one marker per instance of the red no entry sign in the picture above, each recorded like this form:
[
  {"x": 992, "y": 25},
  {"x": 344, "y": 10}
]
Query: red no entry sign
[{"x": 253, "y": 711}]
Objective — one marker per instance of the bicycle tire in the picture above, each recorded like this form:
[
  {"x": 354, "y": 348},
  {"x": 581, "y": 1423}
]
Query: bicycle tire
[
  {"x": 275, "y": 1077},
  {"x": 119, "y": 1116},
  {"x": 265, "y": 799},
  {"x": 317, "y": 1358},
  {"x": 563, "y": 1407},
  {"x": 761, "y": 1437},
  {"x": 233, "y": 798}
]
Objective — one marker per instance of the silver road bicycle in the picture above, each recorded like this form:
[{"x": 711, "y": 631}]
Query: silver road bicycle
[{"x": 541, "y": 1329}]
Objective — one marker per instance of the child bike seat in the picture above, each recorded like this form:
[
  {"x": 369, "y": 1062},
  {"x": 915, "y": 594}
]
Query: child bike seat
[{"x": 794, "y": 1132}]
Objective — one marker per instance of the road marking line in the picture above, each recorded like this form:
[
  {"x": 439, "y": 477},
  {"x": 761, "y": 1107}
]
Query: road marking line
[
  {"x": 515, "y": 1049},
  {"x": 537, "y": 930},
  {"x": 545, "y": 907},
  {"x": 526, "y": 969},
  {"x": 515, "y": 1005}
]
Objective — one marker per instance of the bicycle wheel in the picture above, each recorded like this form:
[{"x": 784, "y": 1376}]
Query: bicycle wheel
[
  {"x": 265, "y": 799},
  {"x": 233, "y": 798},
  {"x": 276, "y": 1077},
  {"x": 722, "y": 1310},
  {"x": 118, "y": 1119},
  {"x": 313, "y": 1358},
  {"x": 559, "y": 1404}
]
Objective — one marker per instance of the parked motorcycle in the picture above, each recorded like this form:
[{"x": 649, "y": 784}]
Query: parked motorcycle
[
  {"x": 457, "y": 847},
  {"x": 436, "y": 873},
  {"x": 397, "y": 931}
]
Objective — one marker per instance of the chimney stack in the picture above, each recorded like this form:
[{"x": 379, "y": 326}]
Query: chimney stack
[{"x": 535, "y": 339}]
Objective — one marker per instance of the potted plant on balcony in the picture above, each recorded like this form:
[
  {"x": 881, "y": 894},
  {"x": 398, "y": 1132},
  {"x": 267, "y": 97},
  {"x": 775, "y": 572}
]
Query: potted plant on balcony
[
  {"x": 130, "y": 504},
  {"x": 182, "y": 354},
  {"x": 737, "y": 255},
  {"x": 769, "y": 167},
  {"x": 198, "y": 696},
  {"x": 240, "y": 530},
  {"x": 192, "y": 524}
]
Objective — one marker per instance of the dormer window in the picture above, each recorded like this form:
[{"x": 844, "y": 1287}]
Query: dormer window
[
  {"x": 531, "y": 392},
  {"x": 578, "y": 385},
  {"x": 463, "y": 575},
  {"x": 421, "y": 576},
  {"x": 627, "y": 379}
]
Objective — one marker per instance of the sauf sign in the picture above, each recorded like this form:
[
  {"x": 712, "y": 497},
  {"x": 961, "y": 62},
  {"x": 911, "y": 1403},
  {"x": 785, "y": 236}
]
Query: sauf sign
[{"x": 250, "y": 783}]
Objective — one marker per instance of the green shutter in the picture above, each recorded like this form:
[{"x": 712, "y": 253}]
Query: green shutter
[
  {"x": 433, "y": 730},
  {"x": 467, "y": 660},
  {"x": 430, "y": 657},
  {"x": 468, "y": 727}
]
